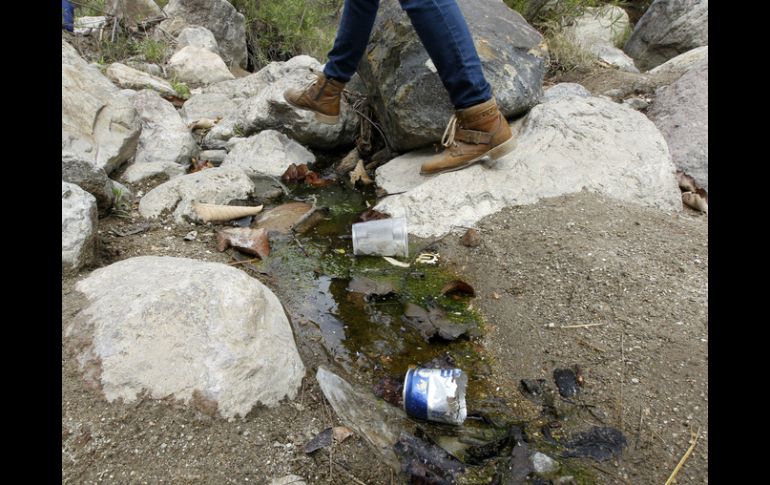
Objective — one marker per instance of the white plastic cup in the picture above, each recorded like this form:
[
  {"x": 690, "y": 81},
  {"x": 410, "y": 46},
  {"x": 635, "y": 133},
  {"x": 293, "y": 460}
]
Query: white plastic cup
[{"x": 383, "y": 237}]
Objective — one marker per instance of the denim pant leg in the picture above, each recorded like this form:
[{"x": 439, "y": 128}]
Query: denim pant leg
[
  {"x": 352, "y": 37},
  {"x": 444, "y": 33}
]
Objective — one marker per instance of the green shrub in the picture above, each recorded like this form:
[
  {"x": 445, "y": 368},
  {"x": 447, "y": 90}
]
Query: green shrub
[
  {"x": 152, "y": 50},
  {"x": 181, "y": 89},
  {"x": 89, "y": 8},
  {"x": 280, "y": 29}
]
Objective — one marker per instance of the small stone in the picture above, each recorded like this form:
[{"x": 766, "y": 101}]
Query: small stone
[
  {"x": 634, "y": 381},
  {"x": 191, "y": 236},
  {"x": 543, "y": 463}
]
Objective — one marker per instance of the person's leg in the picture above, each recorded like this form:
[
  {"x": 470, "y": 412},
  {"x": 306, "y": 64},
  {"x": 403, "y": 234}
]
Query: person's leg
[
  {"x": 443, "y": 31},
  {"x": 352, "y": 37},
  {"x": 323, "y": 96}
]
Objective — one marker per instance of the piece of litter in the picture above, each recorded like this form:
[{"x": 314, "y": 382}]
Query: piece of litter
[
  {"x": 427, "y": 258},
  {"x": 395, "y": 262}
]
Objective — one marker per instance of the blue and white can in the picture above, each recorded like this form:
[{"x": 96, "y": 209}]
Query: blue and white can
[{"x": 436, "y": 395}]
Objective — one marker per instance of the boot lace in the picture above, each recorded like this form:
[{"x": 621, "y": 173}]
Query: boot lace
[{"x": 448, "y": 139}]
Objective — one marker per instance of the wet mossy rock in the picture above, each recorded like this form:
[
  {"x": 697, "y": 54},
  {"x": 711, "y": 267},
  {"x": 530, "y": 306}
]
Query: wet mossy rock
[{"x": 406, "y": 91}]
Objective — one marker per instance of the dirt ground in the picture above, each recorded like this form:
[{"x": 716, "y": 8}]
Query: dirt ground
[{"x": 638, "y": 274}]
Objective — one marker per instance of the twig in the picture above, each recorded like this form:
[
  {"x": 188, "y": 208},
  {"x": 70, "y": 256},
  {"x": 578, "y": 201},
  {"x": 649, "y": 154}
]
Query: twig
[
  {"x": 244, "y": 261},
  {"x": 585, "y": 325},
  {"x": 352, "y": 477},
  {"x": 114, "y": 29},
  {"x": 588, "y": 344},
  {"x": 622, "y": 376},
  {"x": 693, "y": 441},
  {"x": 299, "y": 244},
  {"x": 639, "y": 431}
]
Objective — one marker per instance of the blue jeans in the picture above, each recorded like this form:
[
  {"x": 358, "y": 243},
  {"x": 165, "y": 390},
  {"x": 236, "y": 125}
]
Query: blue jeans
[{"x": 443, "y": 31}]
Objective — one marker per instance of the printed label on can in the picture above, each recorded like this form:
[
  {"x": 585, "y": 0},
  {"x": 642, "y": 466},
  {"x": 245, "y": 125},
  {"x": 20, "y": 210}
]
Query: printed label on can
[{"x": 436, "y": 395}]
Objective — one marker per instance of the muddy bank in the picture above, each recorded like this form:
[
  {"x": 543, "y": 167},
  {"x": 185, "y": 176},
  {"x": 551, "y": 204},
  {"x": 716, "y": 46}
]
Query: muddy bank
[{"x": 639, "y": 279}]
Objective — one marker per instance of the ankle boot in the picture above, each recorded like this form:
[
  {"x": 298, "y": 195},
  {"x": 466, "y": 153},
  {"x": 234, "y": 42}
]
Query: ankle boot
[
  {"x": 322, "y": 97},
  {"x": 472, "y": 135}
]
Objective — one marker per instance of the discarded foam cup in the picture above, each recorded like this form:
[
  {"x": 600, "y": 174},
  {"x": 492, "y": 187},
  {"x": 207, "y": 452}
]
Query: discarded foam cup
[
  {"x": 436, "y": 394},
  {"x": 383, "y": 237}
]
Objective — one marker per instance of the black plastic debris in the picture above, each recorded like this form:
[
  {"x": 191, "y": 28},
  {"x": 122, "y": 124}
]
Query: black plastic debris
[
  {"x": 426, "y": 463},
  {"x": 321, "y": 440},
  {"x": 599, "y": 443},
  {"x": 566, "y": 381}
]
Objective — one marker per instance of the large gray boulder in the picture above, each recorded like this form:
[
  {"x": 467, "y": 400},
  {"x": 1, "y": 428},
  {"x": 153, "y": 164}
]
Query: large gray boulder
[
  {"x": 268, "y": 110},
  {"x": 165, "y": 137},
  {"x": 197, "y": 36},
  {"x": 221, "y": 18},
  {"x": 198, "y": 66},
  {"x": 562, "y": 90},
  {"x": 668, "y": 28},
  {"x": 129, "y": 78},
  {"x": 78, "y": 227},
  {"x": 682, "y": 63},
  {"x": 204, "y": 333},
  {"x": 267, "y": 153},
  {"x": 207, "y": 105},
  {"x": 90, "y": 178},
  {"x": 133, "y": 11},
  {"x": 681, "y": 113},
  {"x": 596, "y": 31},
  {"x": 149, "y": 171},
  {"x": 405, "y": 90},
  {"x": 220, "y": 185},
  {"x": 565, "y": 146},
  {"x": 99, "y": 125}
]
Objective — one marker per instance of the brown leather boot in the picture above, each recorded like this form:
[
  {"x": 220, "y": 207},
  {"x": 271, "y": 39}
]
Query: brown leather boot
[
  {"x": 322, "y": 97},
  {"x": 473, "y": 134}
]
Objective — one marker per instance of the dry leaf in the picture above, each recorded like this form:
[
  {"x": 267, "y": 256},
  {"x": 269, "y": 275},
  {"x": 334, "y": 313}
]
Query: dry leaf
[
  {"x": 495, "y": 295},
  {"x": 250, "y": 241},
  {"x": 371, "y": 215},
  {"x": 696, "y": 201},
  {"x": 198, "y": 165},
  {"x": 314, "y": 180},
  {"x": 341, "y": 433},
  {"x": 220, "y": 213},
  {"x": 295, "y": 173},
  {"x": 458, "y": 288},
  {"x": 686, "y": 183},
  {"x": 359, "y": 174}
]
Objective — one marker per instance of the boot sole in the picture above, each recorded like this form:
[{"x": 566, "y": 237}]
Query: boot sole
[
  {"x": 497, "y": 152},
  {"x": 326, "y": 119}
]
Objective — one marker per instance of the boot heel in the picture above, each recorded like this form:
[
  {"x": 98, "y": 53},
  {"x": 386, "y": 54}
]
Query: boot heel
[
  {"x": 503, "y": 149},
  {"x": 327, "y": 119}
]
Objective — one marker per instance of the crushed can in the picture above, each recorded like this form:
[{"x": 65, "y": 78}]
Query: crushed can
[{"x": 436, "y": 394}]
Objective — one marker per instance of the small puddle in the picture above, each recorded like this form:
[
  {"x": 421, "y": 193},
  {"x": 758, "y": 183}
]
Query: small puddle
[{"x": 370, "y": 339}]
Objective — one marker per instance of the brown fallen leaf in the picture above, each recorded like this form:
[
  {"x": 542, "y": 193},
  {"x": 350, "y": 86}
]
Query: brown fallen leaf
[
  {"x": 696, "y": 201},
  {"x": 371, "y": 215},
  {"x": 314, "y": 180},
  {"x": 295, "y": 173},
  {"x": 249, "y": 241},
  {"x": 175, "y": 100},
  {"x": 198, "y": 165},
  {"x": 341, "y": 433},
  {"x": 359, "y": 174},
  {"x": 686, "y": 183},
  {"x": 348, "y": 163},
  {"x": 458, "y": 288}
]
